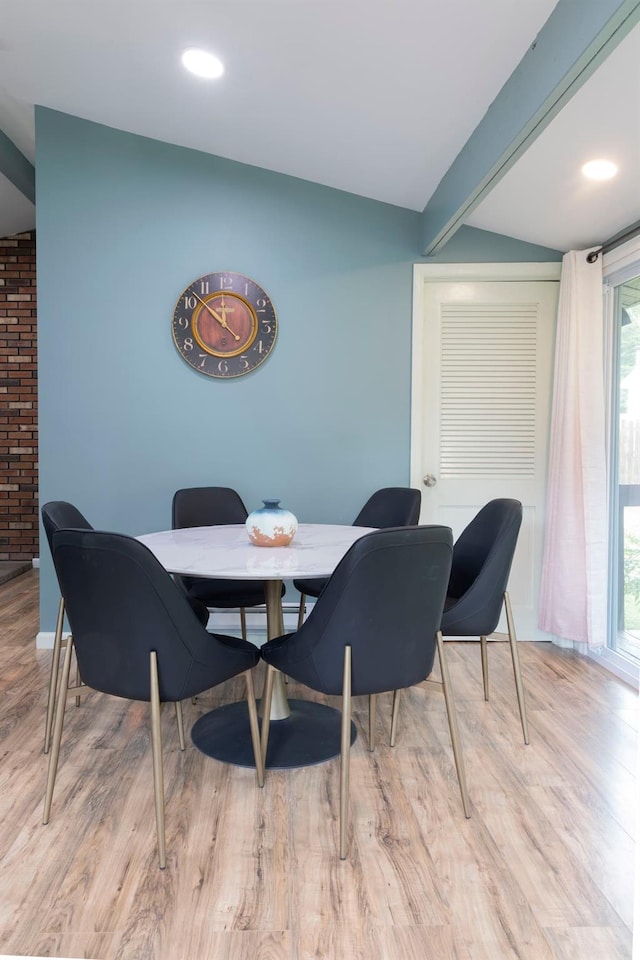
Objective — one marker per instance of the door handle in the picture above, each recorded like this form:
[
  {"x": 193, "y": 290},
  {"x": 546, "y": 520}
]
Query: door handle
[{"x": 429, "y": 480}]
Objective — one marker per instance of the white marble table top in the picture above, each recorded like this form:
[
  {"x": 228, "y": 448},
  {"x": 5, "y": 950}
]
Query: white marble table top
[{"x": 226, "y": 551}]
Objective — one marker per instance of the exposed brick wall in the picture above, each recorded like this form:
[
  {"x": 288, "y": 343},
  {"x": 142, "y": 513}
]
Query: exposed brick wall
[{"x": 18, "y": 399}]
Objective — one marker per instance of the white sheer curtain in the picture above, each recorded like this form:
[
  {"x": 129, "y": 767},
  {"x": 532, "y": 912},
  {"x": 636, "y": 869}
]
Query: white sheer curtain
[{"x": 573, "y": 599}]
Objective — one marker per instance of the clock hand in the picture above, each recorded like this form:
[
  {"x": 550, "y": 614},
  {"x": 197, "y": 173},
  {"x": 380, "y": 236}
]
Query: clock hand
[
  {"x": 216, "y": 316},
  {"x": 224, "y": 309}
]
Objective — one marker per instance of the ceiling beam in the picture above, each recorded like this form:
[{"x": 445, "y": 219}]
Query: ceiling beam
[
  {"x": 17, "y": 168},
  {"x": 578, "y": 36}
]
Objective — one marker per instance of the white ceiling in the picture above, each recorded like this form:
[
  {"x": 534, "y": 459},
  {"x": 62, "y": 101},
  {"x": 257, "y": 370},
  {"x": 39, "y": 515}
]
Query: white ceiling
[
  {"x": 370, "y": 96},
  {"x": 544, "y": 197}
]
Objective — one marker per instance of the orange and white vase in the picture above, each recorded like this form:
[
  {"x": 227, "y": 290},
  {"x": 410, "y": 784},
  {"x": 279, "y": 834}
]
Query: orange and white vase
[{"x": 271, "y": 525}]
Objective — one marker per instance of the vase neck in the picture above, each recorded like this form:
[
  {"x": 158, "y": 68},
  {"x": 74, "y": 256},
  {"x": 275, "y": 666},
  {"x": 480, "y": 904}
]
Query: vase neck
[{"x": 270, "y": 504}]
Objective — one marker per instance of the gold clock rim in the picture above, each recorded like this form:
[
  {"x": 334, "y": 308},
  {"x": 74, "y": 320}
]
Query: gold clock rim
[{"x": 193, "y": 323}]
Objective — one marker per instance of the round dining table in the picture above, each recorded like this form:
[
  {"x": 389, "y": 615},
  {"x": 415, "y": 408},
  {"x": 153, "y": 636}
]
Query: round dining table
[{"x": 305, "y": 732}]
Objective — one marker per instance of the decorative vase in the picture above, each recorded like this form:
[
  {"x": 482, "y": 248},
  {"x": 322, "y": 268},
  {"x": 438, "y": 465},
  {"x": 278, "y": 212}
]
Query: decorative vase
[{"x": 271, "y": 525}]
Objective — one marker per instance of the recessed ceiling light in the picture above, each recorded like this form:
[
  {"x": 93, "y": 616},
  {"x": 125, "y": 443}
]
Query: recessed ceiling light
[
  {"x": 203, "y": 64},
  {"x": 599, "y": 169}
]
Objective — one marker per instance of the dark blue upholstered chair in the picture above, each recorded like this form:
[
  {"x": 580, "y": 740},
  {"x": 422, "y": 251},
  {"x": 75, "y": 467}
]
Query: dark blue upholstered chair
[
  {"x": 209, "y": 507},
  {"x": 136, "y": 636},
  {"x": 373, "y": 628},
  {"x": 388, "y": 507},
  {"x": 57, "y": 515},
  {"x": 477, "y": 591},
  {"x": 61, "y": 515}
]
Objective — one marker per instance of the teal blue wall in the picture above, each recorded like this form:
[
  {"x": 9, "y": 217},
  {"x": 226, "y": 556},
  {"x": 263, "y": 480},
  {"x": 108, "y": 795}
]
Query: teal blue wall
[
  {"x": 16, "y": 168},
  {"x": 470, "y": 245},
  {"x": 123, "y": 225}
]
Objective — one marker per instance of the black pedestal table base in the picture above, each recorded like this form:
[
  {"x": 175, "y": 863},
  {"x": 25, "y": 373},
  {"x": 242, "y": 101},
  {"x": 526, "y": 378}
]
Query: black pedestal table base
[{"x": 310, "y": 735}]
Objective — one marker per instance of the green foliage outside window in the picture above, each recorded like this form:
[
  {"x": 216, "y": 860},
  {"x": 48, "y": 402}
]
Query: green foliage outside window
[{"x": 631, "y": 582}]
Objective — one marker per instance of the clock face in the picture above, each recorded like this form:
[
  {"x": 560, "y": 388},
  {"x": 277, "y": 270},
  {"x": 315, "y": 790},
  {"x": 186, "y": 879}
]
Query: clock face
[{"x": 224, "y": 325}]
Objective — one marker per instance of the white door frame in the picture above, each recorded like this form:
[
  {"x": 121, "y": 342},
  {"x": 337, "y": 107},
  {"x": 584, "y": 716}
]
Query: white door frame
[{"x": 465, "y": 272}]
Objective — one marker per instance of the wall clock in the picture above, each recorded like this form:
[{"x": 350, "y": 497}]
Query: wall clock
[{"x": 224, "y": 325}]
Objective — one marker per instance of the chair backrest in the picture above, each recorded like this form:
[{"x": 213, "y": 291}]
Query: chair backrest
[
  {"x": 385, "y": 600},
  {"x": 206, "y": 507},
  {"x": 482, "y": 558},
  {"x": 122, "y": 604},
  {"x": 390, "y": 507},
  {"x": 60, "y": 515}
]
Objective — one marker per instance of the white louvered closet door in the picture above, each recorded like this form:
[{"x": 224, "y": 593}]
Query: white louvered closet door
[{"x": 488, "y": 365}]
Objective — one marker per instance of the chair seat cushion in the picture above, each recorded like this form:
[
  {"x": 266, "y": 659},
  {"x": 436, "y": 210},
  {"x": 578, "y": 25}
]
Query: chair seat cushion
[
  {"x": 200, "y": 609},
  {"x": 312, "y": 587},
  {"x": 297, "y": 662},
  {"x": 226, "y": 593},
  {"x": 237, "y": 643},
  {"x": 469, "y": 616}
]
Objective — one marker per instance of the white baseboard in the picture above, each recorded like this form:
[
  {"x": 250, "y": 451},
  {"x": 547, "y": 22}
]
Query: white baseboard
[
  {"x": 616, "y": 664},
  {"x": 228, "y": 621},
  {"x": 44, "y": 640}
]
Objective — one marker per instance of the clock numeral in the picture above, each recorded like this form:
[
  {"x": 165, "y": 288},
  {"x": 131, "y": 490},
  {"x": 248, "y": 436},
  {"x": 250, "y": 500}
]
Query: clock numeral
[
  {"x": 203, "y": 357},
  {"x": 188, "y": 343},
  {"x": 226, "y": 283},
  {"x": 204, "y": 286},
  {"x": 259, "y": 346},
  {"x": 190, "y": 303},
  {"x": 183, "y": 323},
  {"x": 260, "y": 305},
  {"x": 266, "y": 326},
  {"x": 223, "y": 366},
  {"x": 244, "y": 363}
]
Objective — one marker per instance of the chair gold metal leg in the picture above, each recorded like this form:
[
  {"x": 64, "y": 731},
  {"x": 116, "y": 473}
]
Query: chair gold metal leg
[
  {"x": 267, "y": 694},
  {"x": 53, "y": 679},
  {"x": 515, "y": 657},
  {"x": 255, "y": 729},
  {"x": 372, "y": 721},
  {"x": 453, "y": 725},
  {"x": 61, "y": 702},
  {"x": 301, "y": 610},
  {"x": 78, "y": 682},
  {"x": 243, "y": 622},
  {"x": 394, "y": 717},
  {"x": 156, "y": 750},
  {"x": 180, "y": 721},
  {"x": 345, "y": 750},
  {"x": 485, "y": 666}
]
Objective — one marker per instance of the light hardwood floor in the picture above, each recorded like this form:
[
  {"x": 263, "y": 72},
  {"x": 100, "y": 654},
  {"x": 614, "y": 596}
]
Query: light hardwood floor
[{"x": 544, "y": 869}]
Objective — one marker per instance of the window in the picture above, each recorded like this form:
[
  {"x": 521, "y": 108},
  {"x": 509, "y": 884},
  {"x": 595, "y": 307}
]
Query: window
[{"x": 622, "y": 312}]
